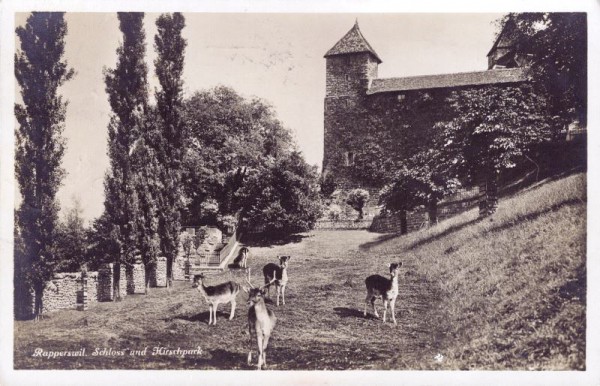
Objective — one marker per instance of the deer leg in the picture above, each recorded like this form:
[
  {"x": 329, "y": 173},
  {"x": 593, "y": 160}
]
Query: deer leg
[
  {"x": 210, "y": 309},
  {"x": 283, "y": 294},
  {"x": 264, "y": 350},
  {"x": 374, "y": 309},
  {"x": 278, "y": 293},
  {"x": 215, "y": 309},
  {"x": 259, "y": 340},
  {"x": 367, "y": 300},
  {"x": 252, "y": 332},
  {"x": 392, "y": 305},
  {"x": 385, "y": 307},
  {"x": 233, "y": 304}
]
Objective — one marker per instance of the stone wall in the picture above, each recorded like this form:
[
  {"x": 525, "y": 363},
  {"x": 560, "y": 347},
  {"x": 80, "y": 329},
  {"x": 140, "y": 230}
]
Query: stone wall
[
  {"x": 179, "y": 268},
  {"x": 342, "y": 224},
  {"x": 92, "y": 287},
  {"x": 452, "y": 205},
  {"x": 105, "y": 283},
  {"x": 62, "y": 291},
  {"x": 158, "y": 277},
  {"x": 136, "y": 279},
  {"x": 123, "y": 281}
]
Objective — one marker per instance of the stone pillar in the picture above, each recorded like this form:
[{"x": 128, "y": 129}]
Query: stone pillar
[
  {"x": 84, "y": 297},
  {"x": 187, "y": 269},
  {"x": 136, "y": 278},
  {"x": 159, "y": 273},
  {"x": 105, "y": 283},
  {"x": 123, "y": 282}
]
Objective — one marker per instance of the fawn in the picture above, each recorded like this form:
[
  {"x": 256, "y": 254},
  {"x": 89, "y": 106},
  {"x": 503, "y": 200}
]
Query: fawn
[
  {"x": 387, "y": 289},
  {"x": 277, "y": 275},
  {"x": 261, "y": 321},
  {"x": 215, "y": 295}
]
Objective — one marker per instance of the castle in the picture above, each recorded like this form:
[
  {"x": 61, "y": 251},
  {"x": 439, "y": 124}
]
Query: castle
[{"x": 366, "y": 116}]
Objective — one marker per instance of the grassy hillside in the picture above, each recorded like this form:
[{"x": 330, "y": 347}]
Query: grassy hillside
[
  {"x": 507, "y": 292},
  {"x": 512, "y": 287}
]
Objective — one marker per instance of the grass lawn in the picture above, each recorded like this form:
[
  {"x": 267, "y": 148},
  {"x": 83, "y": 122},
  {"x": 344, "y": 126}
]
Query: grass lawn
[{"x": 502, "y": 293}]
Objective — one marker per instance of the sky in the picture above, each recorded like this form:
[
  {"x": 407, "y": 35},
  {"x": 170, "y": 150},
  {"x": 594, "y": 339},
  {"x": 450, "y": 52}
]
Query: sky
[{"x": 276, "y": 57}]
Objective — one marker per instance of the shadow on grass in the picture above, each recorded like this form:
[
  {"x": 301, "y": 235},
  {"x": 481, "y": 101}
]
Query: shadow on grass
[
  {"x": 534, "y": 215},
  {"x": 202, "y": 317},
  {"x": 444, "y": 233},
  {"x": 380, "y": 240},
  {"x": 262, "y": 240},
  {"x": 345, "y": 312}
]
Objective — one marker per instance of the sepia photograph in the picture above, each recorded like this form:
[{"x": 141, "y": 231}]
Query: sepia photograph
[{"x": 298, "y": 191}]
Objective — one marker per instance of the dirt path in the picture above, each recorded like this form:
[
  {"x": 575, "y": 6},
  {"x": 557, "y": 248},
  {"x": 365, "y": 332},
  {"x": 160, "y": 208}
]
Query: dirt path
[{"x": 321, "y": 327}]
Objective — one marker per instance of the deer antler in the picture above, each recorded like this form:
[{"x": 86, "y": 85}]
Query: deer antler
[{"x": 248, "y": 278}]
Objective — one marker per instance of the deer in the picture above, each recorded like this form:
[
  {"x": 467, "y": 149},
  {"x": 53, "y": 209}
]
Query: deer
[
  {"x": 215, "y": 295},
  {"x": 387, "y": 289},
  {"x": 241, "y": 261},
  {"x": 261, "y": 321},
  {"x": 277, "y": 274}
]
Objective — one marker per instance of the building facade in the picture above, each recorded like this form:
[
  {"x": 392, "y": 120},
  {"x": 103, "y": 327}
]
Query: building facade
[{"x": 369, "y": 119}]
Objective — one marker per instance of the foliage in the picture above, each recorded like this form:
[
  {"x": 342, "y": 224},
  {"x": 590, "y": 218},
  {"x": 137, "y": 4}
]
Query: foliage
[
  {"x": 334, "y": 212},
  {"x": 71, "y": 241},
  {"x": 40, "y": 70},
  {"x": 126, "y": 86},
  {"x": 281, "y": 198},
  {"x": 229, "y": 137},
  {"x": 170, "y": 48},
  {"x": 555, "y": 44},
  {"x": 328, "y": 184},
  {"x": 493, "y": 128},
  {"x": 372, "y": 164},
  {"x": 423, "y": 180},
  {"x": 103, "y": 245},
  {"x": 357, "y": 198},
  {"x": 148, "y": 187}
]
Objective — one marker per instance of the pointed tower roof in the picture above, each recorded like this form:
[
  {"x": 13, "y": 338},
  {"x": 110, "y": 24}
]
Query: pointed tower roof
[{"x": 353, "y": 42}]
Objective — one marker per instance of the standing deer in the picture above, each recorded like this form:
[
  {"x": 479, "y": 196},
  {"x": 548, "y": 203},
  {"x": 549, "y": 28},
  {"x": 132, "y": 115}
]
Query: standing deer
[
  {"x": 277, "y": 274},
  {"x": 215, "y": 295},
  {"x": 261, "y": 321},
  {"x": 242, "y": 259},
  {"x": 387, "y": 289}
]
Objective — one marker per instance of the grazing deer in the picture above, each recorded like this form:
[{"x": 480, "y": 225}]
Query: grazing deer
[
  {"x": 277, "y": 274},
  {"x": 261, "y": 321},
  {"x": 387, "y": 289},
  {"x": 215, "y": 295}
]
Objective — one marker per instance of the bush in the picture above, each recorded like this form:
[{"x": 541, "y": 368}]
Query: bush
[{"x": 357, "y": 199}]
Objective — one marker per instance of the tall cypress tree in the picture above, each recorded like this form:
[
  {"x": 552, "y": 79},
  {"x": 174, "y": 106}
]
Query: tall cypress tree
[
  {"x": 127, "y": 88},
  {"x": 170, "y": 47},
  {"x": 40, "y": 69},
  {"x": 148, "y": 185}
]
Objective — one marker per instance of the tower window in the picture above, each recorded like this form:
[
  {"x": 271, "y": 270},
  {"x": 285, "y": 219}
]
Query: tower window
[
  {"x": 347, "y": 77},
  {"x": 401, "y": 97},
  {"x": 349, "y": 158}
]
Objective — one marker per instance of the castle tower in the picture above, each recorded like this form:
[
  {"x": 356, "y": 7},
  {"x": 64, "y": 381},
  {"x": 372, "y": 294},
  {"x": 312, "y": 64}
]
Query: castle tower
[{"x": 351, "y": 66}]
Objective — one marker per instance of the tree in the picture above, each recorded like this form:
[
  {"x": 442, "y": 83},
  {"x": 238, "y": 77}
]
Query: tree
[
  {"x": 555, "y": 46},
  {"x": 229, "y": 138},
  {"x": 357, "y": 198},
  {"x": 126, "y": 86},
  {"x": 492, "y": 130},
  {"x": 103, "y": 243},
  {"x": 170, "y": 48},
  {"x": 40, "y": 69},
  {"x": 282, "y": 198},
  {"x": 71, "y": 240},
  {"x": 148, "y": 187}
]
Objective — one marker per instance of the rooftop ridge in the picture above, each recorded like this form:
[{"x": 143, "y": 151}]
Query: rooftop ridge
[
  {"x": 352, "y": 42},
  {"x": 505, "y": 75}
]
